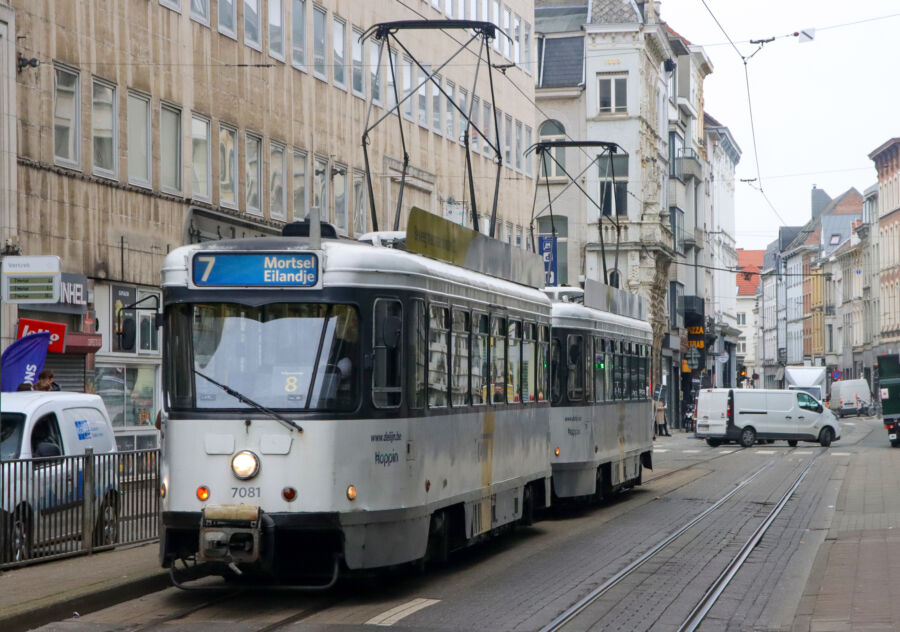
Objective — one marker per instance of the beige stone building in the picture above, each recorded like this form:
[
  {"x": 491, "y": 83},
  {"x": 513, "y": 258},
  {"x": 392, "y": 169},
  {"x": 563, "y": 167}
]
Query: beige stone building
[{"x": 142, "y": 125}]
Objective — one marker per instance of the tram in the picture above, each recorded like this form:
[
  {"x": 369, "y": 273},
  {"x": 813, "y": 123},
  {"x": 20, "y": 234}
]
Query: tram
[
  {"x": 334, "y": 406},
  {"x": 601, "y": 433}
]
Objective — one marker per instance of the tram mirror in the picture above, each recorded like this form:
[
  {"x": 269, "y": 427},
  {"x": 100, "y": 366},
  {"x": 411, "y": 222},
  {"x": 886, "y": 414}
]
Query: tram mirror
[
  {"x": 127, "y": 334},
  {"x": 391, "y": 327}
]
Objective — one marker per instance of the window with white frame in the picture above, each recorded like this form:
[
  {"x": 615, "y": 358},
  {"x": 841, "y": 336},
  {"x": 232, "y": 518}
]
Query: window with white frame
[
  {"x": 507, "y": 44},
  {"x": 139, "y": 145},
  {"x": 276, "y": 29},
  {"x": 423, "y": 95},
  {"x": 487, "y": 126},
  {"x": 614, "y": 175},
  {"x": 450, "y": 111},
  {"x": 252, "y": 29},
  {"x": 228, "y": 18},
  {"x": 374, "y": 73},
  {"x": 298, "y": 34},
  {"x": 66, "y": 117},
  {"x": 228, "y": 178},
  {"x": 495, "y": 18},
  {"x": 408, "y": 75},
  {"x": 475, "y": 140},
  {"x": 301, "y": 208},
  {"x": 612, "y": 92},
  {"x": 200, "y": 158},
  {"x": 253, "y": 177},
  {"x": 170, "y": 148},
  {"x": 519, "y": 145},
  {"x": 358, "y": 78},
  {"x": 528, "y": 165},
  {"x": 741, "y": 318},
  {"x": 103, "y": 128},
  {"x": 526, "y": 47},
  {"x": 320, "y": 43},
  {"x": 549, "y": 131},
  {"x": 320, "y": 187},
  {"x": 436, "y": 101},
  {"x": 393, "y": 79},
  {"x": 200, "y": 11},
  {"x": 473, "y": 9},
  {"x": 339, "y": 184},
  {"x": 463, "y": 101},
  {"x": 448, "y": 8},
  {"x": 517, "y": 39},
  {"x": 277, "y": 209},
  {"x": 359, "y": 203},
  {"x": 339, "y": 43},
  {"x": 508, "y": 143}
]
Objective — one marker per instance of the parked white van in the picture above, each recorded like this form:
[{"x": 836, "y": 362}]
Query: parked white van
[
  {"x": 850, "y": 397},
  {"x": 42, "y": 478},
  {"x": 748, "y": 415}
]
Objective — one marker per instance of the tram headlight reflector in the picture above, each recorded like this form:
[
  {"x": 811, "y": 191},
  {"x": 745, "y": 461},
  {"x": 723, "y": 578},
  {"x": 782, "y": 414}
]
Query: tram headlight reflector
[
  {"x": 162, "y": 490},
  {"x": 245, "y": 465},
  {"x": 351, "y": 492},
  {"x": 203, "y": 493},
  {"x": 556, "y": 452}
]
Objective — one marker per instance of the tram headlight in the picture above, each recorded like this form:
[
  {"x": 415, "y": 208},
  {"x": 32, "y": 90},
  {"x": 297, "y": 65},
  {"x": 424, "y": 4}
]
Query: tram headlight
[{"x": 245, "y": 465}]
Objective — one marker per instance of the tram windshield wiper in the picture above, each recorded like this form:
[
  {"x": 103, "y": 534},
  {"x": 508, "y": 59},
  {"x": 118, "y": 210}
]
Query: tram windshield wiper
[{"x": 246, "y": 400}]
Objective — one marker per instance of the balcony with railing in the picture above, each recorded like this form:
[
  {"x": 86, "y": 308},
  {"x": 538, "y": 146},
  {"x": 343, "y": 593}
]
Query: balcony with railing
[{"x": 691, "y": 166}]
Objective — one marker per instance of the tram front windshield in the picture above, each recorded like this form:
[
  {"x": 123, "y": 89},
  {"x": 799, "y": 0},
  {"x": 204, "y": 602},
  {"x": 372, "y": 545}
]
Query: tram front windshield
[{"x": 287, "y": 356}]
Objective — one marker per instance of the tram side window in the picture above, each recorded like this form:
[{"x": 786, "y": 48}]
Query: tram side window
[
  {"x": 178, "y": 363},
  {"x": 610, "y": 373},
  {"x": 575, "y": 367},
  {"x": 528, "y": 363},
  {"x": 459, "y": 359},
  {"x": 481, "y": 367},
  {"x": 498, "y": 357},
  {"x": 438, "y": 357},
  {"x": 387, "y": 387},
  {"x": 514, "y": 388},
  {"x": 417, "y": 347},
  {"x": 556, "y": 371},
  {"x": 642, "y": 394},
  {"x": 620, "y": 370},
  {"x": 588, "y": 359},
  {"x": 599, "y": 370},
  {"x": 542, "y": 370}
]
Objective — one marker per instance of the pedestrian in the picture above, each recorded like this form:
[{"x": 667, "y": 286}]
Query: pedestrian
[
  {"x": 45, "y": 381},
  {"x": 660, "y": 410},
  {"x": 25, "y": 386}
]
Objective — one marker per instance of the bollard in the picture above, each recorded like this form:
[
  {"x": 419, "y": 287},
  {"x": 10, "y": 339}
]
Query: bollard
[{"x": 87, "y": 505}]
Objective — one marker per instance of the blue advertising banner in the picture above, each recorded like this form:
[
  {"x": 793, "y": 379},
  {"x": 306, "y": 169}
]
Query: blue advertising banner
[
  {"x": 239, "y": 269},
  {"x": 23, "y": 360},
  {"x": 547, "y": 249}
]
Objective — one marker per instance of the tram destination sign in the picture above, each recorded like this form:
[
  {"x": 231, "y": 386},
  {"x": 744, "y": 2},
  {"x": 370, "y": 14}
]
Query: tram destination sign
[
  {"x": 31, "y": 279},
  {"x": 255, "y": 269}
]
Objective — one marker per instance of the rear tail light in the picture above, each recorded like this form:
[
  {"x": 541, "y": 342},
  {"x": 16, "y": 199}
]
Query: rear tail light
[{"x": 729, "y": 411}]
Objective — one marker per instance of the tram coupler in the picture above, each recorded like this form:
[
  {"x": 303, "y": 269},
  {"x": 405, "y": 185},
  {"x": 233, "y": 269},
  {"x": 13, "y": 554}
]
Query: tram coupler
[{"x": 230, "y": 534}]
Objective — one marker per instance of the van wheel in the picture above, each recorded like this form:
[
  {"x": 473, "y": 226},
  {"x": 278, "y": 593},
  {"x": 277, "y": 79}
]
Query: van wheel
[
  {"x": 20, "y": 536},
  {"x": 895, "y": 443},
  {"x": 792, "y": 443},
  {"x": 825, "y": 437},
  {"x": 106, "y": 529},
  {"x": 713, "y": 443},
  {"x": 748, "y": 437}
]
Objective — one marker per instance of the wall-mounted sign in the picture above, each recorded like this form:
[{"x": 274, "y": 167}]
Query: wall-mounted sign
[
  {"x": 30, "y": 279},
  {"x": 57, "y": 331}
]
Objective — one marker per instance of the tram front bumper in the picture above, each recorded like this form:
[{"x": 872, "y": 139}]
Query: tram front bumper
[{"x": 230, "y": 534}]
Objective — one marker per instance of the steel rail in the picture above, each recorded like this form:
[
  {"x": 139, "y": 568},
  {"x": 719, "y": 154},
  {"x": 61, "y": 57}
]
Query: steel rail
[
  {"x": 695, "y": 618},
  {"x": 578, "y": 607}
]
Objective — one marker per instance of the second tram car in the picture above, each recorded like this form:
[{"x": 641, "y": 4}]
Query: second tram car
[
  {"x": 336, "y": 405},
  {"x": 601, "y": 432}
]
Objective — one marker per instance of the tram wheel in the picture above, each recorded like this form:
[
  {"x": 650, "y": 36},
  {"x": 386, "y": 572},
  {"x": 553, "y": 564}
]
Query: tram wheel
[
  {"x": 438, "y": 550},
  {"x": 792, "y": 443}
]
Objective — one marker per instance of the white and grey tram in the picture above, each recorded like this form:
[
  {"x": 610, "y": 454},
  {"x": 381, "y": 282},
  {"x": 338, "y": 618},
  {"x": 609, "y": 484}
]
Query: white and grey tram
[
  {"x": 601, "y": 432},
  {"x": 335, "y": 405}
]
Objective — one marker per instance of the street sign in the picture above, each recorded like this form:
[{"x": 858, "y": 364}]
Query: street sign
[
  {"x": 835, "y": 375},
  {"x": 30, "y": 279},
  {"x": 57, "y": 331},
  {"x": 547, "y": 248}
]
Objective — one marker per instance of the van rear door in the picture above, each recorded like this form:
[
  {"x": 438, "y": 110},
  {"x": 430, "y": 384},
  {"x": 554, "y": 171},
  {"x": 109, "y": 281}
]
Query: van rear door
[{"x": 712, "y": 405}]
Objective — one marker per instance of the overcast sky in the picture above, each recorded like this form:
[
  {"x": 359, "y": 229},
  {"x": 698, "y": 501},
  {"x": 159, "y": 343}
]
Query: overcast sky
[{"x": 819, "y": 107}]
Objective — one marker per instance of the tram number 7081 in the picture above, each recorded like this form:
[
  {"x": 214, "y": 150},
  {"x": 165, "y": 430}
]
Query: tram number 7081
[{"x": 246, "y": 492}]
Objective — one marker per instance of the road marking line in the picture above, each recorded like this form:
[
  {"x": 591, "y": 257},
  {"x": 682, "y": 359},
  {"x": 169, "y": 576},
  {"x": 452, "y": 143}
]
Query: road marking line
[
  {"x": 803, "y": 452},
  {"x": 690, "y": 451},
  {"x": 660, "y": 449},
  {"x": 727, "y": 451},
  {"x": 764, "y": 452},
  {"x": 839, "y": 453},
  {"x": 393, "y": 615},
  {"x": 848, "y": 423}
]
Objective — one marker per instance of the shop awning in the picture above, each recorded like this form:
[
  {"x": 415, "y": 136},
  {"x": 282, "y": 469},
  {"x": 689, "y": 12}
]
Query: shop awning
[{"x": 83, "y": 343}]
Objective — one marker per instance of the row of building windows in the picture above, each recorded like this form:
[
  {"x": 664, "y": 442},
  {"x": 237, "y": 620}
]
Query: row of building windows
[{"x": 361, "y": 70}]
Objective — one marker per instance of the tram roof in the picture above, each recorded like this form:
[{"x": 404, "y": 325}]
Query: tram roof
[
  {"x": 578, "y": 316},
  {"x": 351, "y": 263}
]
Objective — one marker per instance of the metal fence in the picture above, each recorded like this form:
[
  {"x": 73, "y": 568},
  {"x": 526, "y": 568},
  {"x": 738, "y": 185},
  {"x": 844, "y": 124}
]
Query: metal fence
[{"x": 73, "y": 505}]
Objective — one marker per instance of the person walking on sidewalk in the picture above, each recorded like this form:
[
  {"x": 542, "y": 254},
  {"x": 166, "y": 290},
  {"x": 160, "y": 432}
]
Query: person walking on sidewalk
[{"x": 660, "y": 410}]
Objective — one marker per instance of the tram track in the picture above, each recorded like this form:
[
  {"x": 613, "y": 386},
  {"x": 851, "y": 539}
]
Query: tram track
[{"x": 709, "y": 598}]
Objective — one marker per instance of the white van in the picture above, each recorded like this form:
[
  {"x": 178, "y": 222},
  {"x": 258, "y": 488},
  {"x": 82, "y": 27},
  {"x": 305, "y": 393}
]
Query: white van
[
  {"x": 850, "y": 397},
  {"x": 747, "y": 415},
  {"x": 42, "y": 434}
]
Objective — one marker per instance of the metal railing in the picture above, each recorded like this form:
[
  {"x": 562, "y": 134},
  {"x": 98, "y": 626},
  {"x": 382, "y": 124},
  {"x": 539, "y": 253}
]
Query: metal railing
[{"x": 73, "y": 505}]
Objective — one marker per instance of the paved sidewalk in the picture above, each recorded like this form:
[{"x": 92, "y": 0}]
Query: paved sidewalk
[{"x": 34, "y": 595}]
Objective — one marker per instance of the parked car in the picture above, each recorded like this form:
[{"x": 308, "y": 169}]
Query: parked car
[
  {"x": 850, "y": 397},
  {"x": 746, "y": 416},
  {"x": 43, "y": 439}
]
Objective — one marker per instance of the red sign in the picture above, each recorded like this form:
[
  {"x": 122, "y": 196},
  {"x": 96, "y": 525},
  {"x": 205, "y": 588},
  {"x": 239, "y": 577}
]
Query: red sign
[{"x": 28, "y": 326}]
